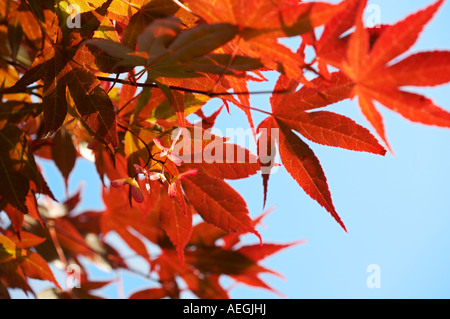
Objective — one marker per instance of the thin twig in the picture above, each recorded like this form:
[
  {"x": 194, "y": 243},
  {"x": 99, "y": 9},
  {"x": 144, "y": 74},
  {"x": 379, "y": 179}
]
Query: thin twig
[
  {"x": 182, "y": 89},
  {"x": 251, "y": 108},
  {"x": 150, "y": 155},
  {"x": 36, "y": 94},
  {"x": 44, "y": 32},
  {"x": 126, "y": 104},
  {"x": 17, "y": 65}
]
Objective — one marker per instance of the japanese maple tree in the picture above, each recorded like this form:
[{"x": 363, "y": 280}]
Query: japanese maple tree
[{"x": 125, "y": 82}]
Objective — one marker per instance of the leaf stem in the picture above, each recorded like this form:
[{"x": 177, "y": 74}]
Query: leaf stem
[
  {"x": 252, "y": 108},
  {"x": 54, "y": 236}
]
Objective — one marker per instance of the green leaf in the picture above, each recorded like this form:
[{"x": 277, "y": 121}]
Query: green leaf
[
  {"x": 113, "y": 57},
  {"x": 192, "y": 102},
  {"x": 201, "y": 40},
  {"x": 223, "y": 64}
]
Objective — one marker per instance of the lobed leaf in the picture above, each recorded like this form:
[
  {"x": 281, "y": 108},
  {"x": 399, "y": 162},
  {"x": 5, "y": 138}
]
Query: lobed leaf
[
  {"x": 331, "y": 129},
  {"x": 301, "y": 162},
  {"x": 218, "y": 203}
]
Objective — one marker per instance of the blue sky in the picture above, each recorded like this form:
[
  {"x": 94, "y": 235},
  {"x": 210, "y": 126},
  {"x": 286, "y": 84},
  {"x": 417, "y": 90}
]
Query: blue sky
[{"x": 396, "y": 208}]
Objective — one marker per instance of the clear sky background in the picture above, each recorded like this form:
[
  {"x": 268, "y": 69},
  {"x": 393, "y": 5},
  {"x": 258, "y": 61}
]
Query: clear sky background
[{"x": 396, "y": 208}]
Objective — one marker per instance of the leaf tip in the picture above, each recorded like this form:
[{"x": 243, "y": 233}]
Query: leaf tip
[{"x": 259, "y": 237}]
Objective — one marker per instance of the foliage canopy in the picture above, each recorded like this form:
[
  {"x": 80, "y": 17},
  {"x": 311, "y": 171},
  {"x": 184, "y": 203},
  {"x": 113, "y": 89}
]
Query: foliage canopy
[{"x": 117, "y": 81}]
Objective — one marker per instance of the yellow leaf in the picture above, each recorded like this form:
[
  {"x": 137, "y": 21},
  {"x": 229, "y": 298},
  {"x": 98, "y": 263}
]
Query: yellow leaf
[
  {"x": 107, "y": 31},
  {"x": 79, "y": 6},
  {"x": 9, "y": 251},
  {"x": 125, "y": 8}
]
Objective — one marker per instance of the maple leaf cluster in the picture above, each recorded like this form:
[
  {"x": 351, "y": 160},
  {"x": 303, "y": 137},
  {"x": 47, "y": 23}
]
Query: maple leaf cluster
[{"x": 120, "y": 82}]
